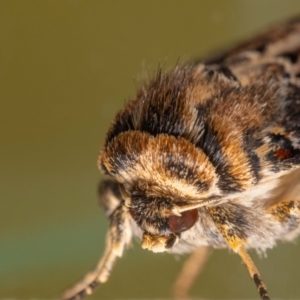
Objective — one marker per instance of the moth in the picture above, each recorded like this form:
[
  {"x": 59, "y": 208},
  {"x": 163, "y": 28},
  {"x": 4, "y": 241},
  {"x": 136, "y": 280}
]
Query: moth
[{"x": 207, "y": 155}]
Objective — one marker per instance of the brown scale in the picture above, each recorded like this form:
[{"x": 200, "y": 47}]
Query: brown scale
[{"x": 207, "y": 156}]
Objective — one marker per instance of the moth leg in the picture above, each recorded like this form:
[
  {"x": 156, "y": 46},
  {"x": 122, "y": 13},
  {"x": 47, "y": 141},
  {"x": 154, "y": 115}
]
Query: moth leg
[
  {"x": 118, "y": 236},
  {"x": 191, "y": 269},
  {"x": 253, "y": 272},
  {"x": 236, "y": 239}
]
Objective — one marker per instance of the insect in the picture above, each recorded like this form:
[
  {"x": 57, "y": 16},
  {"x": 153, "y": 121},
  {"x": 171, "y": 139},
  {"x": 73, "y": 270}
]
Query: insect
[{"x": 207, "y": 155}]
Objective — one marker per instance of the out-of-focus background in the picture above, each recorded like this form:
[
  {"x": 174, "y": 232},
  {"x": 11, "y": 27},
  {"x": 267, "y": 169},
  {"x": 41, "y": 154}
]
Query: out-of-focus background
[{"x": 66, "y": 68}]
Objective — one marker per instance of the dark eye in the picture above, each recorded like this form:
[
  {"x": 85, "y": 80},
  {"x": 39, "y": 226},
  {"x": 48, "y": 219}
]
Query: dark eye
[{"x": 184, "y": 222}]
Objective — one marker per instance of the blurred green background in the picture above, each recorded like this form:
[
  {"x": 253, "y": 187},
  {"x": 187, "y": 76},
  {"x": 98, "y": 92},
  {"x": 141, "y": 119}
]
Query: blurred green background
[{"x": 66, "y": 68}]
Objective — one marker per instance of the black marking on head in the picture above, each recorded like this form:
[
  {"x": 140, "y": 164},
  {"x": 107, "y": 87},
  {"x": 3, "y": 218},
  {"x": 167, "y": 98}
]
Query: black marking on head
[
  {"x": 122, "y": 122},
  {"x": 158, "y": 107},
  {"x": 164, "y": 104},
  {"x": 182, "y": 169},
  {"x": 122, "y": 161},
  {"x": 158, "y": 119},
  {"x": 211, "y": 147}
]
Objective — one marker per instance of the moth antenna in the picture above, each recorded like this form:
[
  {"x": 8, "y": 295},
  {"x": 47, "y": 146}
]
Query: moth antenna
[
  {"x": 118, "y": 236},
  {"x": 178, "y": 209},
  {"x": 254, "y": 273}
]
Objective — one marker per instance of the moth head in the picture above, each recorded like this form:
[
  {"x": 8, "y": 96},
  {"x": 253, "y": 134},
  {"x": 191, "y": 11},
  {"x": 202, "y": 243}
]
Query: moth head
[
  {"x": 162, "y": 220},
  {"x": 163, "y": 181}
]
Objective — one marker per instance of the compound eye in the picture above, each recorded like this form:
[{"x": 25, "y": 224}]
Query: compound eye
[{"x": 184, "y": 222}]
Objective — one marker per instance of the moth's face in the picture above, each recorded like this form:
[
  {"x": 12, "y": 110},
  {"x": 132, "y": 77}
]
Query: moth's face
[
  {"x": 160, "y": 220},
  {"x": 165, "y": 179}
]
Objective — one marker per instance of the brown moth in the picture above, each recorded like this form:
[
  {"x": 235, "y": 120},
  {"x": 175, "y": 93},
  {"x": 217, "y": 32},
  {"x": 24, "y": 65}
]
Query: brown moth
[{"x": 207, "y": 155}]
